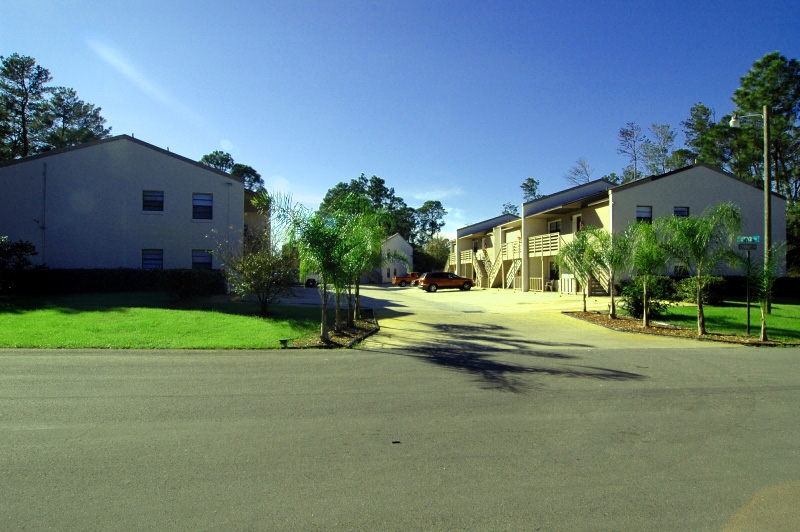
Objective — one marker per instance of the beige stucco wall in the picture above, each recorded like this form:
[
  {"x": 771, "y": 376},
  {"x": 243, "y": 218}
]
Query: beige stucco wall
[
  {"x": 92, "y": 207},
  {"x": 699, "y": 188}
]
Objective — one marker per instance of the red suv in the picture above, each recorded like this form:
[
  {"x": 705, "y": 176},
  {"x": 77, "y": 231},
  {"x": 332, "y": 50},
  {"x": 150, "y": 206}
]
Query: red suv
[{"x": 432, "y": 281}]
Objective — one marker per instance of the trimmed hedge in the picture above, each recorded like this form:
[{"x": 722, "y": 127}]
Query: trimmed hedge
[{"x": 182, "y": 283}]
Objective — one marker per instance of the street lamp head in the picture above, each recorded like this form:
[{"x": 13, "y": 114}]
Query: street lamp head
[{"x": 734, "y": 121}]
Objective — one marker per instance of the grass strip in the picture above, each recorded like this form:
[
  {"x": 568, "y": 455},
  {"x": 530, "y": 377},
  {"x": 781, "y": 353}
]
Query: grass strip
[
  {"x": 730, "y": 317},
  {"x": 148, "y": 321}
]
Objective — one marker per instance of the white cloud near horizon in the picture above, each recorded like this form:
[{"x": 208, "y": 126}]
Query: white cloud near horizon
[
  {"x": 119, "y": 63},
  {"x": 439, "y": 194}
]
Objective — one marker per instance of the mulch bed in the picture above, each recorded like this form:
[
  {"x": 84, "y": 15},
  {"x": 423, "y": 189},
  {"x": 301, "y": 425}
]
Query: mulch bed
[
  {"x": 347, "y": 337},
  {"x": 627, "y": 324}
]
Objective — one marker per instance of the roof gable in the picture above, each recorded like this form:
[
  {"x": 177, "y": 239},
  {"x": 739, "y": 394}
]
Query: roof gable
[
  {"x": 684, "y": 170},
  {"x": 120, "y": 138}
]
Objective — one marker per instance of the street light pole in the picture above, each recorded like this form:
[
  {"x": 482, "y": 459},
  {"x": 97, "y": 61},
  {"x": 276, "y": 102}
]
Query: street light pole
[{"x": 767, "y": 187}]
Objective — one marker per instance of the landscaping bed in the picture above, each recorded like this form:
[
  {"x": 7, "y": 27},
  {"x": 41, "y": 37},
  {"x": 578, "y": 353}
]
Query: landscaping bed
[{"x": 628, "y": 324}]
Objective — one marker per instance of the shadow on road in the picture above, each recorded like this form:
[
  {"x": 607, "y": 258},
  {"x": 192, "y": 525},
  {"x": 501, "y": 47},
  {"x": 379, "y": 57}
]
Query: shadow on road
[{"x": 477, "y": 350}]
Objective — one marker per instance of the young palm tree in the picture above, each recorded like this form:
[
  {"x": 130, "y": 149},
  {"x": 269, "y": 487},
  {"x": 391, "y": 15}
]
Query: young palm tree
[
  {"x": 765, "y": 280},
  {"x": 648, "y": 258},
  {"x": 611, "y": 253},
  {"x": 317, "y": 238},
  {"x": 702, "y": 243},
  {"x": 576, "y": 257}
]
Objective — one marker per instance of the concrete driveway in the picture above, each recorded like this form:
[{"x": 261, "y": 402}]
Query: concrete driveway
[{"x": 496, "y": 319}]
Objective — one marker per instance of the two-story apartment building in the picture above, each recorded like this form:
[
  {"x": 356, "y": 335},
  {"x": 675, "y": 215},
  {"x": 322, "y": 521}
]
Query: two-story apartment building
[
  {"x": 121, "y": 202},
  {"x": 549, "y": 222}
]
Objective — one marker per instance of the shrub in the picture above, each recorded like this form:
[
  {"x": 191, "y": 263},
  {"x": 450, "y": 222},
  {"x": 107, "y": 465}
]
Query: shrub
[
  {"x": 14, "y": 258},
  {"x": 660, "y": 293},
  {"x": 713, "y": 289},
  {"x": 181, "y": 283},
  {"x": 186, "y": 284}
]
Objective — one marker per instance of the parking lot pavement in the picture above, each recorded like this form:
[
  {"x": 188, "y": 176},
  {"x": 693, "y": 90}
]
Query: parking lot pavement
[{"x": 502, "y": 319}]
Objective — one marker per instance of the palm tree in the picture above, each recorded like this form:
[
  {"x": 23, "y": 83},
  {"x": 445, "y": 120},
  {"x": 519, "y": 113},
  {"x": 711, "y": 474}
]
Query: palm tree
[
  {"x": 702, "y": 243},
  {"x": 611, "y": 253},
  {"x": 575, "y": 256},
  {"x": 648, "y": 257},
  {"x": 765, "y": 280},
  {"x": 317, "y": 238}
]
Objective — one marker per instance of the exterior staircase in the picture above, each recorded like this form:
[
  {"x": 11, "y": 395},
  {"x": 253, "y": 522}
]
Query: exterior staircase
[{"x": 512, "y": 272}]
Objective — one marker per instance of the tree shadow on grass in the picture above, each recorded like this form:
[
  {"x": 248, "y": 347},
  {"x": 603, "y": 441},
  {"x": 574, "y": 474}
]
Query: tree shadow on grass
[{"x": 486, "y": 353}]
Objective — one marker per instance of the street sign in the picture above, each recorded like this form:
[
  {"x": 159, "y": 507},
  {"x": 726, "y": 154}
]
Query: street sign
[
  {"x": 748, "y": 240},
  {"x": 748, "y": 246}
]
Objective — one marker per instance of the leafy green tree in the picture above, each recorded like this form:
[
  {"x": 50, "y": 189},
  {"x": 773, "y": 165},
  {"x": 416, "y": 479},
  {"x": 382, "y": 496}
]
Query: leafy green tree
[
  {"x": 580, "y": 172},
  {"x": 706, "y": 139},
  {"x": 701, "y": 244},
  {"x": 576, "y": 257},
  {"x": 439, "y": 249},
  {"x": 260, "y": 268},
  {"x": 252, "y": 179},
  {"x": 774, "y": 81},
  {"x": 530, "y": 189},
  {"x": 430, "y": 220},
  {"x": 510, "y": 208},
  {"x": 23, "y": 92},
  {"x": 218, "y": 159},
  {"x": 649, "y": 258},
  {"x": 66, "y": 120},
  {"x": 401, "y": 219},
  {"x": 680, "y": 158},
  {"x": 612, "y": 254}
]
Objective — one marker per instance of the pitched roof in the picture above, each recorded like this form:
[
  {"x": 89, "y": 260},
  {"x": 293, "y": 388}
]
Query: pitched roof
[
  {"x": 116, "y": 139},
  {"x": 485, "y": 225},
  {"x": 651, "y": 178},
  {"x": 553, "y": 203}
]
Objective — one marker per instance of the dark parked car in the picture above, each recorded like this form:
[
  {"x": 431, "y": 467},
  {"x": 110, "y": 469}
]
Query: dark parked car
[{"x": 432, "y": 281}]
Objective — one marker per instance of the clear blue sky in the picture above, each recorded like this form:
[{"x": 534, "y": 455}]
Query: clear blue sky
[{"x": 458, "y": 101}]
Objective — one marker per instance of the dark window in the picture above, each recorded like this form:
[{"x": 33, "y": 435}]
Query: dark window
[
  {"x": 681, "y": 211},
  {"x": 644, "y": 213},
  {"x": 555, "y": 227},
  {"x": 152, "y": 200},
  {"x": 202, "y": 206},
  {"x": 201, "y": 259},
  {"x": 152, "y": 259}
]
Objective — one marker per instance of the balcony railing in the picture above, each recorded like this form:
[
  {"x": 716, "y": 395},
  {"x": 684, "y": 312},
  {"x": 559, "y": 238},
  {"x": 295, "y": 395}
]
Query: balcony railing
[
  {"x": 511, "y": 250},
  {"x": 546, "y": 245}
]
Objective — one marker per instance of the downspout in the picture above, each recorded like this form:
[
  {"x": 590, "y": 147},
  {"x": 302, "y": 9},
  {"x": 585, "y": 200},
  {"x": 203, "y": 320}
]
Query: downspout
[
  {"x": 524, "y": 253},
  {"x": 43, "y": 221},
  {"x": 610, "y": 213}
]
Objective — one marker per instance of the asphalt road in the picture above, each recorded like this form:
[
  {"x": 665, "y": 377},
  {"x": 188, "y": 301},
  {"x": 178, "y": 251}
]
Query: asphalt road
[{"x": 522, "y": 419}]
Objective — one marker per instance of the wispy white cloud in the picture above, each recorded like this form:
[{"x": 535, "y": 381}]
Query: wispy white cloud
[
  {"x": 119, "y": 63},
  {"x": 439, "y": 194}
]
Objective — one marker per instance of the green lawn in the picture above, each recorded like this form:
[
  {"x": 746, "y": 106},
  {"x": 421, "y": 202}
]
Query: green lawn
[
  {"x": 731, "y": 318},
  {"x": 148, "y": 321}
]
